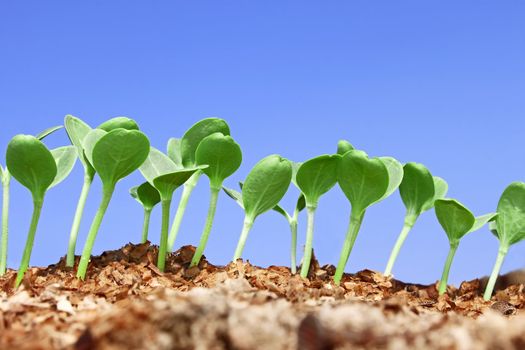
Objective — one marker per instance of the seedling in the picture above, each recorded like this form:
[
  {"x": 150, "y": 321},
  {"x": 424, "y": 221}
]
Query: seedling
[
  {"x": 164, "y": 175},
  {"x": 314, "y": 178},
  {"x": 183, "y": 151},
  {"x": 419, "y": 190},
  {"x": 113, "y": 155},
  {"x": 148, "y": 197},
  {"x": 223, "y": 157},
  {"x": 457, "y": 221},
  {"x": 364, "y": 181},
  {"x": 509, "y": 227},
  {"x": 77, "y": 130},
  {"x": 5, "y": 177},
  {"x": 265, "y": 186},
  {"x": 38, "y": 169}
]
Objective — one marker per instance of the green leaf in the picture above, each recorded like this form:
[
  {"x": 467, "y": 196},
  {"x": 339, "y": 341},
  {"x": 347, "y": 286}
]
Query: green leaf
[
  {"x": 440, "y": 191},
  {"x": 511, "y": 214},
  {"x": 89, "y": 142},
  {"x": 194, "y": 135},
  {"x": 417, "y": 188},
  {"x": 235, "y": 195},
  {"x": 48, "y": 132},
  {"x": 31, "y": 164},
  {"x": 317, "y": 176},
  {"x": 65, "y": 158},
  {"x": 454, "y": 217},
  {"x": 301, "y": 203},
  {"x": 482, "y": 220},
  {"x": 77, "y": 130},
  {"x": 363, "y": 180},
  {"x": 146, "y": 195},
  {"x": 174, "y": 151},
  {"x": 222, "y": 155},
  {"x": 266, "y": 185},
  {"x": 166, "y": 184},
  {"x": 395, "y": 175},
  {"x": 295, "y": 169},
  {"x": 344, "y": 146},
  {"x": 119, "y": 153},
  {"x": 157, "y": 164},
  {"x": 119, "y": 122},
  {"x": 493, "y": 227}
]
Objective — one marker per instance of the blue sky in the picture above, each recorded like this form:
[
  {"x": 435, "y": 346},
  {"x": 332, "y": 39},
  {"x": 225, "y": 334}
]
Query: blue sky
[{"x": 438, "y": 82}]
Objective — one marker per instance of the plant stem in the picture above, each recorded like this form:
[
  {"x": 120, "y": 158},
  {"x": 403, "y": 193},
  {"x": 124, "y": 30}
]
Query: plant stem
[
  {"x": 214, "y": 195},
  {"x": 502, "y": 252},
  {"x": 161, "y": 259},
  {"x": 5, "y": 221},
  {"x": 248, "y": 223},
  {"x": 293, "y": 252},
  {"x": 37, "y": 209},
  {"x": 409, "y": 222},
  {"x": 444, "y": 277},
  {"x": 145, "y": 225},
  {"x": 181, "y": 209},
  {"x": 307, "y": 258},
  {"x": 92, "y": 235},
  {"x": 356, "y": 218},
  {"x": 70, "y": 259}
]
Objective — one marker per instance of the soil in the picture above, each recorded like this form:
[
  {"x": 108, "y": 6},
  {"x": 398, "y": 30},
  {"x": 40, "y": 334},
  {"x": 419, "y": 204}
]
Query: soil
[{"x": 127, "y": 303}]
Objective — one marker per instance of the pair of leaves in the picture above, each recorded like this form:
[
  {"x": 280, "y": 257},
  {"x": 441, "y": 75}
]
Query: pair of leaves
[
  {"x": 419, "y": 189},
  {"x": 192, "y": 138},
  {"x": 457, "y": 220},
  {"x": 366, "y": 181},
  {"x": 509, "y": 225},
  {"x": 146, "y": 195},
  {"x": 37, "y": 168},
  {"x": 317, "y": 176}
]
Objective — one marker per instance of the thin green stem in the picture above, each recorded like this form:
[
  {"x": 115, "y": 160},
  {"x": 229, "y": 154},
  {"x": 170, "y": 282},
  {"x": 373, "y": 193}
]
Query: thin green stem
[
  {"x": 409, "y": 222},
  {"x": 92, "y": 235},
  {"x": 444, "y": 277},
  {"x": 5, "y": 221},
  {"x": 248, "y": 223},
  {"x": 37, "y": 209},
  {"x": 181, "y": 209},
  {"x": 502, "y": 253},
  {"x": 307, "y": 257},
  {"x": 73, "y": 234},
  {"x": 161, "y": 259},
  {"x": 293, "y": 250},
  {"x": 214, "y": 196},
  {"x": 356, "y": 218},
  {"x": 145, "y": 225}
]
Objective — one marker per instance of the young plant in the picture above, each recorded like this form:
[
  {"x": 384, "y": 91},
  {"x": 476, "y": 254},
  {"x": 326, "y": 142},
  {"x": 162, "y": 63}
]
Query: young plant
[
  {"x": 223, "y": 157},
  {"x": 165, "y": 176},
  {"x": 114, "y": 155},
  {"x": 148, "y": 197},
  {"x": 38, "y": 169},
  {"x": 265, "y": 186},
  {"x": 77, "y": 130},
  {"x": 183, "y": 152},
  {"x": 314, "y": 178},
  {"x": 509, "y": 227},
  {"x": 364, "y": 181},
  {"x": 5, "y": 177},
  {"x": 419, "y": 190},
  {"x": 457, "y": 221}
]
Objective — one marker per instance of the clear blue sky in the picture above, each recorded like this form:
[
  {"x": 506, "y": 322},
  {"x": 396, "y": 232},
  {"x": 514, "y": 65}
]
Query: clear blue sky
[{"x": 438, "y": 82}]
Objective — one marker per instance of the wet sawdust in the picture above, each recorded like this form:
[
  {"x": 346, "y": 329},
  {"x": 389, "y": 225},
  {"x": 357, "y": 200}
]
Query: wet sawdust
[{"x": 127, "y": 303}]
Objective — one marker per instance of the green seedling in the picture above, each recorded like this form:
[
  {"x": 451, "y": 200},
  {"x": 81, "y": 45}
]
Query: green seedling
[
  {"x": 456, "y": 221},
  {"x": 119, "y": 123},
  {"x": 509, "y": 227},
  {"x": 184, "y": 151},
  {"x": 419, "y": 190},
  {"x": 165, "y": 176},
  {"x": 114, "y": 155},
  {"x": 37, "y": 169},
  {"x": 223, "y": 157},
  {"x": 364, "y": 181},
  {"x": 5, "y": 177},
  {"x": 265, "y": 186},
  {"x": 314, "y": 178},
  {"x": 148, "y": 197}
]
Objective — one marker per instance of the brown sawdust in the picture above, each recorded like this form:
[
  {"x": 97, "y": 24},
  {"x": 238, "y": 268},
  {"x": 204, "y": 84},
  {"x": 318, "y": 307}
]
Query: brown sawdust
[{"x": 125, "y": 302}]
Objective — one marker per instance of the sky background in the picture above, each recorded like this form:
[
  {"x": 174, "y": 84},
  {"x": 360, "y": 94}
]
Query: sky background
[{"x": 438, "y": 82}]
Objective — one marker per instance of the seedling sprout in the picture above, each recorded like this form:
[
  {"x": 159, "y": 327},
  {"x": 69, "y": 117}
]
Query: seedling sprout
[{"x": 148, "y": 197}]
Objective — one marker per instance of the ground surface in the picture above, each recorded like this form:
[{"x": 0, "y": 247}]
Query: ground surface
[{"x": 126, "y": 303}]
